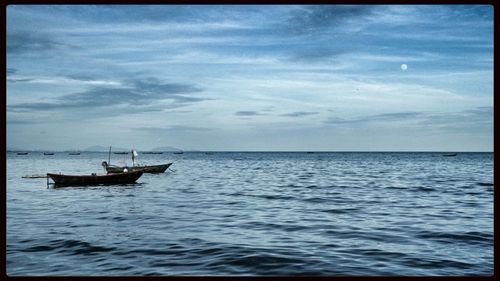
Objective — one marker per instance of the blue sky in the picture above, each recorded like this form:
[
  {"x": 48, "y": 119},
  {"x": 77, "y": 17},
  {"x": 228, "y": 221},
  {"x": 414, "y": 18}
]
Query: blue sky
[{"x": 251, "y": 78}]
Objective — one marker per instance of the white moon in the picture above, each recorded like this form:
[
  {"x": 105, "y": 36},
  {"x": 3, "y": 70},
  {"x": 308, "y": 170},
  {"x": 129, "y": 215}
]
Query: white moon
[{"x": 404, "y": 66}]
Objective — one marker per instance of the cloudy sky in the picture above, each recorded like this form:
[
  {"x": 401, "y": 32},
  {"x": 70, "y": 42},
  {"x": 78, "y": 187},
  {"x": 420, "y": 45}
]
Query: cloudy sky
[{"x": 251, "y": 78}]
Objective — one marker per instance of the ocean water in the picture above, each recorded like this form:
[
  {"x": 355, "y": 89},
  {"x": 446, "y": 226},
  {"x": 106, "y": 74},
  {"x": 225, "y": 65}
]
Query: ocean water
[{"x": 255, "y": 214}]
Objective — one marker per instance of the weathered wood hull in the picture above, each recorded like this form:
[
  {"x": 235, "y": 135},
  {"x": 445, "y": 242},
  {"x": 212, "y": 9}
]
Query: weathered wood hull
[
  {"x": 109, "y": 179},
  {"x": 154, "y": 169}
]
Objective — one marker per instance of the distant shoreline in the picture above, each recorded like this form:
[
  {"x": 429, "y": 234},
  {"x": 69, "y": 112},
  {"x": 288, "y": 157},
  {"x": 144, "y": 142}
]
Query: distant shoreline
[{"x": 245, "y": 151}]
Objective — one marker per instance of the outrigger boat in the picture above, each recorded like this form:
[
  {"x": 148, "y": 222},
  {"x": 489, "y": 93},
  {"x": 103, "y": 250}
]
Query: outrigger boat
[
  {"x": 152, "y": 169},
  {"x": 109, "y": 179}
]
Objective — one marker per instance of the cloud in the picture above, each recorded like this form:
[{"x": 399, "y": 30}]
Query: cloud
[
  {"x": 29, "y": 42},
  {"x": 312, "y": 19},
  {"x": 478, "y": 119},
  {"x": 136, "y": 13},
  {"x": 386, "y": 117},
  {"x": 248, "y": 113},
  {"x": 174, "y": 128},
  {"x": 299, "y": 114},
  {"x": 19, "y": 80},
  {"x": 15, "y": 121},
  {"x": 396, "y": 116},
  {"x": 61, "y": 80},
  {"x": 474, "y": 119},
  {"x": 141, "y": 95},
  {"x": 317, "y": 53},
  {"x": 81, "y": 77}
]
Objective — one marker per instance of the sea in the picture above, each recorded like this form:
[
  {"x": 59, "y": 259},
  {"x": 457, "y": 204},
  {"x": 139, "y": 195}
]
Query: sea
[{"x": 255, "y": 214}]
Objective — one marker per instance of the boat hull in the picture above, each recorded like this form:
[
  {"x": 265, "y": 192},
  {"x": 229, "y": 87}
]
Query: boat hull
[
  {"x": 154, "y": 169},
  {"x": 109, "y": 179}
]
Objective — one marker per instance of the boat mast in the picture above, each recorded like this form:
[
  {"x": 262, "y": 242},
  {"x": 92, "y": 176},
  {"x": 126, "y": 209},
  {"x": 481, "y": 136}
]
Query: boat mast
[{"x": 109, "y": 156}]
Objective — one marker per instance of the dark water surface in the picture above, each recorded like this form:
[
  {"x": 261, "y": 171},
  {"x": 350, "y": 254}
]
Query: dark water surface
[{"x": 341, "y": 214}]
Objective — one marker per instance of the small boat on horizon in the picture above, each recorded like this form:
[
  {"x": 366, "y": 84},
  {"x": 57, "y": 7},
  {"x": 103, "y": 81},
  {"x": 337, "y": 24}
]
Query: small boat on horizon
[
  {"x": 120, "y": 152},
  {"x": 178, "y": 152},
  {"x": 450, "y": 155},
  {"x": 83, "y": 180},
  {"x": 74, "y": 153},
  {"x": 48, "y": 153},
  {"x": 22, "y": 153}
]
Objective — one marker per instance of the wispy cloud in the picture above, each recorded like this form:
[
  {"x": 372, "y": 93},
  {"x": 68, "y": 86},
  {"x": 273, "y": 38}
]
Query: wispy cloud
[
  {"x": 429, "y": 122},
  {"x": 317, "y": 54},
  {"x": 385, "y": 117},
  {"x": 174, "y": 128},
  {"x": 312, "y": 19},
  {"x": 19, "y": 80},
  {"x": 248, "y": 113},
  {"x": 300, "y": 113},
  {"x": 138, "y": 93},
  {"x": 61, "y": 80},
  {"x": 31, "y": 43},
  {"x": 466, "y": 121}
]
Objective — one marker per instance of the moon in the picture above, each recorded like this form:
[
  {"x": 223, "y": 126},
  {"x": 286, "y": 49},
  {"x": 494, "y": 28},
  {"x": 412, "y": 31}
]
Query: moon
[{"x": 404, "y": 66}]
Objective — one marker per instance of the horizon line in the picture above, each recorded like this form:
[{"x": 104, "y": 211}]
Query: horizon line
[{"x": 263, "y": 151}]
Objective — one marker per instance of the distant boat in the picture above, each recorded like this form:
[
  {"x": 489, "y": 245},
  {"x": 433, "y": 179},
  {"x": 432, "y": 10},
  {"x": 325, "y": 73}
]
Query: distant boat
[
  {"x": 152, "y": 169},
  {"x": 74, "y": 153},
  {"x": 178, "y": 152},
  {"x": 150, "y": 152},
  {"x": 109, "y": 179},
  {"x": 450, "y": 155},
  {"x": 120, "y": 152},
  {"x": 22, "y": 153},
  {"x": 48, "y": 153}
]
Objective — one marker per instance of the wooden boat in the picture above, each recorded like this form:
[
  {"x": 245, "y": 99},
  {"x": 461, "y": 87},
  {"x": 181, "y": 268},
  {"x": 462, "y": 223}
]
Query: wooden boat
[
  {"x": 152, "y": 169},
  {"x": 109, "y": 179},
  {"x": 22, "y": 153},
  {"x": 450, "y": 155}
]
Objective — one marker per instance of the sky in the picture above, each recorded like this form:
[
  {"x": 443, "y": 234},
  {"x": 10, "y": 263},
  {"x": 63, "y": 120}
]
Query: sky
[{"x": 250, "y": 77}]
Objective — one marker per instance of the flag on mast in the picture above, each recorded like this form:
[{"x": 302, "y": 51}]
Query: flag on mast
[{"x": 134, "y": 155}]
